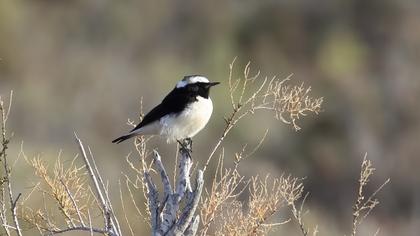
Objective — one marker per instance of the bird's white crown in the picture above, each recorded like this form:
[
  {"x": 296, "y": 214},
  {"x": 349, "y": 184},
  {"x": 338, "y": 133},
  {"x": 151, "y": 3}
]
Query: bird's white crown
[{"x": 191, "y": 80}]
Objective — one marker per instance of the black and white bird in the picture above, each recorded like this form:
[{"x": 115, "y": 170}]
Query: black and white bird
[{"x": 182, "y": 113}]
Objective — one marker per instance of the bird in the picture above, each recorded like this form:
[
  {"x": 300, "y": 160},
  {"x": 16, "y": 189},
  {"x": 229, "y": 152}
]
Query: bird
[{"x": 183, "y": 113}]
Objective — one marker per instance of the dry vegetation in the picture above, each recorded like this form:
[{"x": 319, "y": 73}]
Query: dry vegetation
[
  {"x": 67, "y": 187},
  {"x": 79, "y": 192},
  {"x": 363, "y": 204}
]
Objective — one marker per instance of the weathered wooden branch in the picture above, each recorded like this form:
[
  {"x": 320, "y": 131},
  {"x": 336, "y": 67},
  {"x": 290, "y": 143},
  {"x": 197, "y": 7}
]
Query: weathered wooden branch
[{"x": 166, "y": 216}]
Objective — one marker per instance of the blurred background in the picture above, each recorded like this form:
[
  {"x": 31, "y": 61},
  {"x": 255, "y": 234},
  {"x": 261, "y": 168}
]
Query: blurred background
[{"x": 84, "y": 66}]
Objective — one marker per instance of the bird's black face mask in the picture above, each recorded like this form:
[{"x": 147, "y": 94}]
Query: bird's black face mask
[{"x": 202, "y": 89}]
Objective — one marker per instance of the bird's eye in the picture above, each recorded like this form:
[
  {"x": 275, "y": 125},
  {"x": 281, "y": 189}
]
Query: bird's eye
[{"x": 193, "y": 88}]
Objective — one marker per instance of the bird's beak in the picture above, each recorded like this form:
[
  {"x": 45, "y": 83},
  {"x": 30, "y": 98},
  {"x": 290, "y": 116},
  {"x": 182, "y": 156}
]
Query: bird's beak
[{"x": 211, "y": 84}]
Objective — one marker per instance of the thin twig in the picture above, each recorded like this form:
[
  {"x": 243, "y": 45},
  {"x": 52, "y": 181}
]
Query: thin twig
[
  {"x": 110, "y": 226},
  {"x": 80, "y": 228},
  {"x": 73, "y": 202},
  {"x": 123, "y": 209}
]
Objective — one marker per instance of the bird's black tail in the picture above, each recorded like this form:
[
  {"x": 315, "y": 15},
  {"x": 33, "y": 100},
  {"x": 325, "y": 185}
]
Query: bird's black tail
[{"x": 123, "y": 138}]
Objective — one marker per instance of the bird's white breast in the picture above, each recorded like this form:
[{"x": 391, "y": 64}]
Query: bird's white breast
[{"x": 189, "y": 122}]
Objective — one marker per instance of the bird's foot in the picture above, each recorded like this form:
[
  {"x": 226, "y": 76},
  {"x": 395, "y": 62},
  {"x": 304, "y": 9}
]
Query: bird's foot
[
  {"x": 186, "y": 146},
  {"x": 189, "y": 143}
]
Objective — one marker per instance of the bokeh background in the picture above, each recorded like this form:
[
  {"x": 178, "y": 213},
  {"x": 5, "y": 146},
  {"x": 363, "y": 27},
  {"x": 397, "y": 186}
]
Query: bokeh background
[{"x": 84, "y": 65}]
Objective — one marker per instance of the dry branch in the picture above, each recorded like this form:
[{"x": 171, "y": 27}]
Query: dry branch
[
  {"x": 111, "y": 223},
  {"x": 6, "y": 177}
]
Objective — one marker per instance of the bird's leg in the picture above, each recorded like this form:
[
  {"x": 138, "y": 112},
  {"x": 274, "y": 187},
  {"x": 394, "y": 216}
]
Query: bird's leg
[
  {"x": 181, "y": 143},
  {"x": 186, "y": 146},
  {"x": 189, "y": 143}
]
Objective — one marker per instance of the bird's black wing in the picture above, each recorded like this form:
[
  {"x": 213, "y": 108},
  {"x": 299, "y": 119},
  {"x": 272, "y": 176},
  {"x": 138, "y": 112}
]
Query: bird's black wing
[
  {"x": 173, "y": 103},
  {"x": 153, "y": 115}
]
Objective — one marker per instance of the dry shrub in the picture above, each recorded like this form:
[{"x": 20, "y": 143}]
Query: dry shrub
[
  {"x": 223, "y": 210},
  {"x": 221, "y": 207},
  {"x": 225, "y": 188},
  {"x": 288, "y": 102},
  {"x": 67, "y": 187},
  {"x": 251, "y": 93},
  {"x": 267, "y": 197}
]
